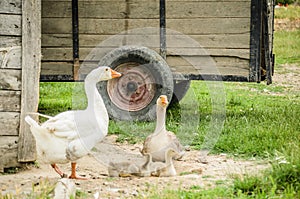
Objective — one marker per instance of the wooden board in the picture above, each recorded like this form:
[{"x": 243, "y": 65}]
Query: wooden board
[
  {"x": 148, "y": 10},
  {"x": 31, "y": 62},
  {"x": 65, "y": 54},
  {"x": 206, "y": 41},
  {"x": 9, "y": 122},
  {"x": 89, "y": 9},
  {"x": 10, "y": 25},
  {"x": 10, "y": 57},
  {"x": 191, "y": 9},
  {"x": 132, "y": 1},
  {"x": 10, "y": 79},
  {"x": 10, "y": 6},
  {"x": 9, "y": 41},
  {"x": 222, "y": 65},
  {"x": 9, "y": 152},
  {"x": 116, "y": 26},
  {"x": 208, "y": 65},
  {"x": 56, "y": 68},
  {"x": 11, "y": 101}
]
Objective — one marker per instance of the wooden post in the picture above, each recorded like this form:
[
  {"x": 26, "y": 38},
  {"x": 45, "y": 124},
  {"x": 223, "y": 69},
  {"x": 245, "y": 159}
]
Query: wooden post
[{"x": 31, "y": 61}]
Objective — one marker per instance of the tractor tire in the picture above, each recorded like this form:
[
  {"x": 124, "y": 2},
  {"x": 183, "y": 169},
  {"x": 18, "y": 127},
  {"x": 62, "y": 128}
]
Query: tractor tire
[{"x": 145, "y": 76}]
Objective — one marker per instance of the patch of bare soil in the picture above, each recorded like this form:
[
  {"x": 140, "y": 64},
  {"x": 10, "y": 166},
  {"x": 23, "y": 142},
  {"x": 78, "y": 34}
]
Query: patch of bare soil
[
  {"x": 218, "y": 169},
  {"x": 286, "y": 24},
  {"x": 288, "y": 76}
]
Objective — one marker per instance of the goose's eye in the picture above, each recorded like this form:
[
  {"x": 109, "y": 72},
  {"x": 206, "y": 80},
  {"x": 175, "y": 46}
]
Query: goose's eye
[{"x": 106, "y": 69}]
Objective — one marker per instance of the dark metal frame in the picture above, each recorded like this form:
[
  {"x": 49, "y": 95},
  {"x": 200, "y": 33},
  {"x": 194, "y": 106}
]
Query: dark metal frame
[
  {"x": 75, "y": 36},
  {"x": 162, "y": 28}
]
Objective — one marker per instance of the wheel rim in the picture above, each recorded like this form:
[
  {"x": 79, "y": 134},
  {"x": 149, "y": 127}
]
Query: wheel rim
[{"x": 134, "y": 90}]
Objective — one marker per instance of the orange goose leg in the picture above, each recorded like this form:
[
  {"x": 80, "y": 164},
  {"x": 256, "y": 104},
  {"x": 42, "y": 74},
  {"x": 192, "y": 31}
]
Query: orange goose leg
[
  {"x": 73, "y": 174},
  {"x": 55, "y": 167}
]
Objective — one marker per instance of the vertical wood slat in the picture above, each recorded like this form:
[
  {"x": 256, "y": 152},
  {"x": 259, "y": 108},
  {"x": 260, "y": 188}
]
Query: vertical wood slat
[{"x": 31, "y": 61}]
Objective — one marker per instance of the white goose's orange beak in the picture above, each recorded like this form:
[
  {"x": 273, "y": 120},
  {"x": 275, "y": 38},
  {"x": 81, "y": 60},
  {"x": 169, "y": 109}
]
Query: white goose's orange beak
[
  {"x": 115, "y": 74},
  {"x": 164, "y": 100}
]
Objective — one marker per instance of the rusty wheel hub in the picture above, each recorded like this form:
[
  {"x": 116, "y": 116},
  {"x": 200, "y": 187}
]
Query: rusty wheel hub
[{"x": 134, "y": 90}]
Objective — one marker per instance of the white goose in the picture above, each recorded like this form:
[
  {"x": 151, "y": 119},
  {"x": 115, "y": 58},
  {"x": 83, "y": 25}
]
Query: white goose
[
  {"x": 70, "y": 135},
  {"x": 158, "y": 142}
]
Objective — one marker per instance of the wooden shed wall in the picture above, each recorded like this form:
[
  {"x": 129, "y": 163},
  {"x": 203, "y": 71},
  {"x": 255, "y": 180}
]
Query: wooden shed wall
[
  {"x": 10, "y": 80},
  {"x": 20, "y": 58},
  {"x": 221, "y": 27}
]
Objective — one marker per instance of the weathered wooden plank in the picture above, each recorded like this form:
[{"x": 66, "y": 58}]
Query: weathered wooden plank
[
  {"x": 59, "y": 54},
  {"x": 208, "y": 26},
  {"x": 10, "y": 101},
  {"x": 43, "y": 1},
  {"x": 114, "y": 26},
  {"x": 206, "y": 41},
  {"x": 8, "y": 152},
  {"x": 10, "y": 6},
  {"x": 219, "y": 70},
  {"x": 90, "y": 9},
  {"x": 209, "y": 41},
  {"x": 208, "y": 65},
  {"x": 9, "y": 41},
  {"x": 149, "y": 10},
  {"x": 150, "y": 0},
  {"x": 31, "y": 63},
  {"x": 207, "y": 0},
  {"x": 241, "y": 53},
  {"x": 65, "y": 68},
  {"x": 65, "y": 54},
  {"x": 181, "y": 64},
  {"x": 10, "y": 25},
  {"x": 64, "y": 40},
  {"x": 199, "y": 9},
  {"x": 10, "y": 57},
  {"x": 9, "y": 122},
  {"x": 93, "y": 26},
  {"x": 56, "y": 68},
  {"x": 10, "y": 79}
]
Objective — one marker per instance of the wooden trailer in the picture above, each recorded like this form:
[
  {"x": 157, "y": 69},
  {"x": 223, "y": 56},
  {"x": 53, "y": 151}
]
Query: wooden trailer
[{"x": 158, "y": 45}]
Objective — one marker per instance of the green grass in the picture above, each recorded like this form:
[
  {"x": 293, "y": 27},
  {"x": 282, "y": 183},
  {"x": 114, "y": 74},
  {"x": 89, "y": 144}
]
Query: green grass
[
  {"x": 291, "y": 12},
  {"x": 261, "y": 122},
  {"x": 257, "y": 123},
  {"x": 287, "y": 47}
]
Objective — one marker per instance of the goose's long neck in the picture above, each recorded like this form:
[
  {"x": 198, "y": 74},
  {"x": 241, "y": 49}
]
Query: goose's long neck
[
  {"x": 160, "y": 119},
  {"x": 95, "y": 101}
]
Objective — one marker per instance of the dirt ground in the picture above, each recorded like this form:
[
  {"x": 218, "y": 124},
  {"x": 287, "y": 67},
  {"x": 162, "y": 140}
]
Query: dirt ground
[{"x": 193, "y": 170}]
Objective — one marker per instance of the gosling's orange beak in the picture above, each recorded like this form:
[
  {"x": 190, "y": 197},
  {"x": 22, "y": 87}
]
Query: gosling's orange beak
[
  {"x": 115, "y": 74},
  {"x": 164, "y": 100}
]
